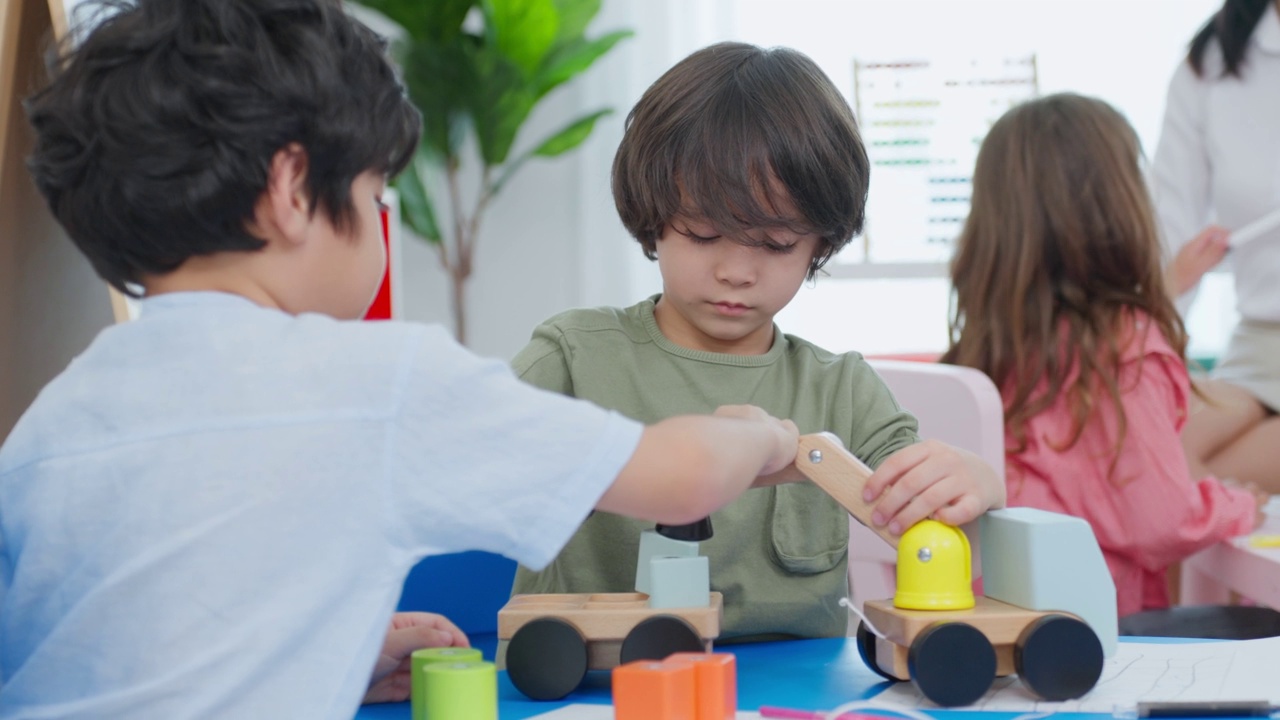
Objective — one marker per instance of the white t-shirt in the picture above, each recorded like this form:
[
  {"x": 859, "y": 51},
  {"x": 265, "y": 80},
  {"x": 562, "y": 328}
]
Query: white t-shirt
[
  {"x": 1218, "y": 160},
  {"x": 211, "y": 512}
]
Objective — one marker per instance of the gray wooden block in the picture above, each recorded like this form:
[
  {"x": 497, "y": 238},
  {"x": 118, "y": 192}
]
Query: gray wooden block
[
  {"x": 653, "y": 545},
  {"x": 679, "y": 582}
]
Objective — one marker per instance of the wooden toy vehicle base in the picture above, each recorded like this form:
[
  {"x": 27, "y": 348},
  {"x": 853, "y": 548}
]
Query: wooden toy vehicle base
[
  {"x": 555, "y": 639},
  {"x": 954, "y": 655}
]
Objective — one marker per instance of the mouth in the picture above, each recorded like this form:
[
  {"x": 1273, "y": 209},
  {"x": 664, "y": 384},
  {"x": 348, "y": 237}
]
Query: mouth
[{"x": 730, "y": 309}]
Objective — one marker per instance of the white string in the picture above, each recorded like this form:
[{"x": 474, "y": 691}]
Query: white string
[{"x": 846, "y": 602}]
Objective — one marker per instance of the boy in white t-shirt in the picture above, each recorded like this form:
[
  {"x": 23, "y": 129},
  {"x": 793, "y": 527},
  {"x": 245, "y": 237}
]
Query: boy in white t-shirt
[{"x": 211, "y": 511}]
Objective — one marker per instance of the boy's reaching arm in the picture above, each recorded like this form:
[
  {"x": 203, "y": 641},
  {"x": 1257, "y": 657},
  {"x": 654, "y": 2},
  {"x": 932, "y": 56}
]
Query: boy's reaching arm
[
  {"x": 689, "y": 466},
  {"x": 931, "y": 479}
]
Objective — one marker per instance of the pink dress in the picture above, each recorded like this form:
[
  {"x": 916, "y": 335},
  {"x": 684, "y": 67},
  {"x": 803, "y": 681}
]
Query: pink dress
[{"x": 1151, "y": 513}]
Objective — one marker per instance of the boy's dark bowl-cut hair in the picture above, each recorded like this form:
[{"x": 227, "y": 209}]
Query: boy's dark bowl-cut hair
[
  {"x": 727, "y": 129},
  {"x": 155, "y": 137}
]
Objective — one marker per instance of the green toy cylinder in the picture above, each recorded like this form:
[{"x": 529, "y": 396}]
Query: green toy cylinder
[
  {"x": 460, "y": 690},
  {"x": 429, "y": 656}
]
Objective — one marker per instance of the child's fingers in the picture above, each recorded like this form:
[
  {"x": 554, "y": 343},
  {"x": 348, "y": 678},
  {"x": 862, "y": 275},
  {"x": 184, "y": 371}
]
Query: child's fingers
[
  {"x": 963, "y": 510},
  {"x": 403, "y": 620},
  {"x": 913, "y": 497},
  {"x": 401, "y": 643},
  {"x": 456, "y": 636},
  {"x": 928, "y": 502},
  {"x": 894, "y": 467}
]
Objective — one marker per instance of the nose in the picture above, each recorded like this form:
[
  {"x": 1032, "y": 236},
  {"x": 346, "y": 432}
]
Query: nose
[{"x": 736, "y": 264}]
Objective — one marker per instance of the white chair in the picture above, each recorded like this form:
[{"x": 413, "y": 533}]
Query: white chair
[{"x": 956, "y": 405}]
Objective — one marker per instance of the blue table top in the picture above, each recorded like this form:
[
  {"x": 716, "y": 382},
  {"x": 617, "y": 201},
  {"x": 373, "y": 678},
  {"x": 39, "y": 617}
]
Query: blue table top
[{"x": 806, "y": 674}]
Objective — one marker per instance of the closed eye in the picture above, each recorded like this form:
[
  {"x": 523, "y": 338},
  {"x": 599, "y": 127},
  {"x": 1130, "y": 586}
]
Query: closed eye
[{"x": 697, "y": 238}]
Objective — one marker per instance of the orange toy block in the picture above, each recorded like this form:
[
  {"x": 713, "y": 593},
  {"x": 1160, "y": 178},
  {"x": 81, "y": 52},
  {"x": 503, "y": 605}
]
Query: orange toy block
[
  {"x": 716, "y": 679},
  {"x": 653, "y": 690}
]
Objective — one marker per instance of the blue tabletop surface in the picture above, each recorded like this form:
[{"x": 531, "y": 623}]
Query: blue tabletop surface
[{"x": 806, "y": 674}]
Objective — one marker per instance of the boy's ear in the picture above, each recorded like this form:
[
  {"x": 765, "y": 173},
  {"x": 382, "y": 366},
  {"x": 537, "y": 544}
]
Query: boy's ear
[{"x": 284, "y": 210}]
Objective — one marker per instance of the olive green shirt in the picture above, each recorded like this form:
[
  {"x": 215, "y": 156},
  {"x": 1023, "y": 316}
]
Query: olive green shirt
[{"x": 779, "y": 554}]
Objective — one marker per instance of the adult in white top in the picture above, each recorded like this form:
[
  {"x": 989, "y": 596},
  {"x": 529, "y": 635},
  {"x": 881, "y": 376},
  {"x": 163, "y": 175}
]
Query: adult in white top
[{"x": 1216, "y": 170}]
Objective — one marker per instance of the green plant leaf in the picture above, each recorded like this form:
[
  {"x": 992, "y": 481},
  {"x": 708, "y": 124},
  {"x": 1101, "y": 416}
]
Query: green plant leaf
[
  {"x": 415, "y": 203},
  {"x": 575, "y": 15},
  {"x": 500, "y": 102},
  {"x": 573, "y": 58},
  {"x": 425, "y": 20},
  {"x": 566, "y": 139},
  {"x": 522, "y": 30},
  {"x": 570, "y": 136},
  {"x": 441, "y": 79}
]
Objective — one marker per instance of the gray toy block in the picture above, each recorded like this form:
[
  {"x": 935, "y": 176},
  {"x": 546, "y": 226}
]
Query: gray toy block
[
  {"x": 679, "y": 582},
  {"x": 1043, "y": 560},
  {"x": 653, "y": 545}
]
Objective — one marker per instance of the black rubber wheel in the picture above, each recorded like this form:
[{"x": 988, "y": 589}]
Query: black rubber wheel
[
  {"x": 867, "y": 649},
  {"x": 656, "y": 637},
  {"x": 952, "y": 663},
  {"x": 547, "y": 659},
  {"x": 1058, "y": 657}
]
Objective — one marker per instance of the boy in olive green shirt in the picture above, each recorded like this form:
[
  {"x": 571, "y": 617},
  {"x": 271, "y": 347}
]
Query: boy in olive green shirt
[{"x": 742, "y": 172}]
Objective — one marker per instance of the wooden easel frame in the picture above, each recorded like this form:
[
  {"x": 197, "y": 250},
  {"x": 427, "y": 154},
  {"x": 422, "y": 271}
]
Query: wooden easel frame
[{"x": 14, "y": 70}]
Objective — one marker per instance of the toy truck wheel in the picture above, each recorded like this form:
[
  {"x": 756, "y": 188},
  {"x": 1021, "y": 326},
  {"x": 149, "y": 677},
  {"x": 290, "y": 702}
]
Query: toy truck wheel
[
  {"x": 1058, "y": 657},
  {"x": 952, "y": 663},
  {"x": 656, "y": 637},
  {"x": 867, "y": 649},
  {"x": 546, "y": 658}
]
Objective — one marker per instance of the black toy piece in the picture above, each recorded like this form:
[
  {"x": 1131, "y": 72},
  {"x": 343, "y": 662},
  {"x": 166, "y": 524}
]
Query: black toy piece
[
  {"x": 1058, "y": 657},
  {"x": 693, "y": 532},
  {"x": 657, "y": 637},
  {"x": 867, "y": 649},
  {"x": 936, "y": 668},
  {"x": 547, "y": 659}
]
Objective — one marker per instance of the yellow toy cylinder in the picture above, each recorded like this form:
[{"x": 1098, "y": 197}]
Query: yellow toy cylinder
[{"x": 934, "y": 568}]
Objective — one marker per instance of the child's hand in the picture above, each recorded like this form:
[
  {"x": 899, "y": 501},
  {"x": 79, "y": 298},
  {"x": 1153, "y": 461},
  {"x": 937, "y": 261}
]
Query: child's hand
[
  {"x": 1196, "y": 258},
  {"x": 932, "y": 480},
  {"x": 786, "y": 435},
  {"x": 409, "y": 631}
]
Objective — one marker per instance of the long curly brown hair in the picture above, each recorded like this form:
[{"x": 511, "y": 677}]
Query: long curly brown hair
[{"x": 1059, "y": 251}]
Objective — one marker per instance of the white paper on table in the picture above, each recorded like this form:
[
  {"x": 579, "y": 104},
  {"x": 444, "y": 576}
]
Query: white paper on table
[
  {"x": 1272, "y": 508},
  {"x": 604, "y": 712},
  {"x": 1227, "y": 670}
]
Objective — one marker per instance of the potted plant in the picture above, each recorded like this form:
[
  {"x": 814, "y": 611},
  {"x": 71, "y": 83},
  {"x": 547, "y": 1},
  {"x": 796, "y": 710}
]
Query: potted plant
[{"x": 476, "y": 69}]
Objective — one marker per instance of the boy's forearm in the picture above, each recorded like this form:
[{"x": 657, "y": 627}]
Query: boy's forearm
[
  {"x": 788, "y": 474},
  {"x": 687, "y": 467}
]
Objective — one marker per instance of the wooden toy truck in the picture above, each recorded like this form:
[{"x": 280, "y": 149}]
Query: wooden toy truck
[
  {"x": 553, "y": 640},
  {"x": 1049, "y": 613}
]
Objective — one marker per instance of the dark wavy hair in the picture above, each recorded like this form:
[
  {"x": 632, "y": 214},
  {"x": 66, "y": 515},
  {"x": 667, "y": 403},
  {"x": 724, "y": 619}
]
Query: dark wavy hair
[
  {"x": 155, "y": 137},
  {"x": 1232, "y": 26},
  {"x": 727, "y": 130}
]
